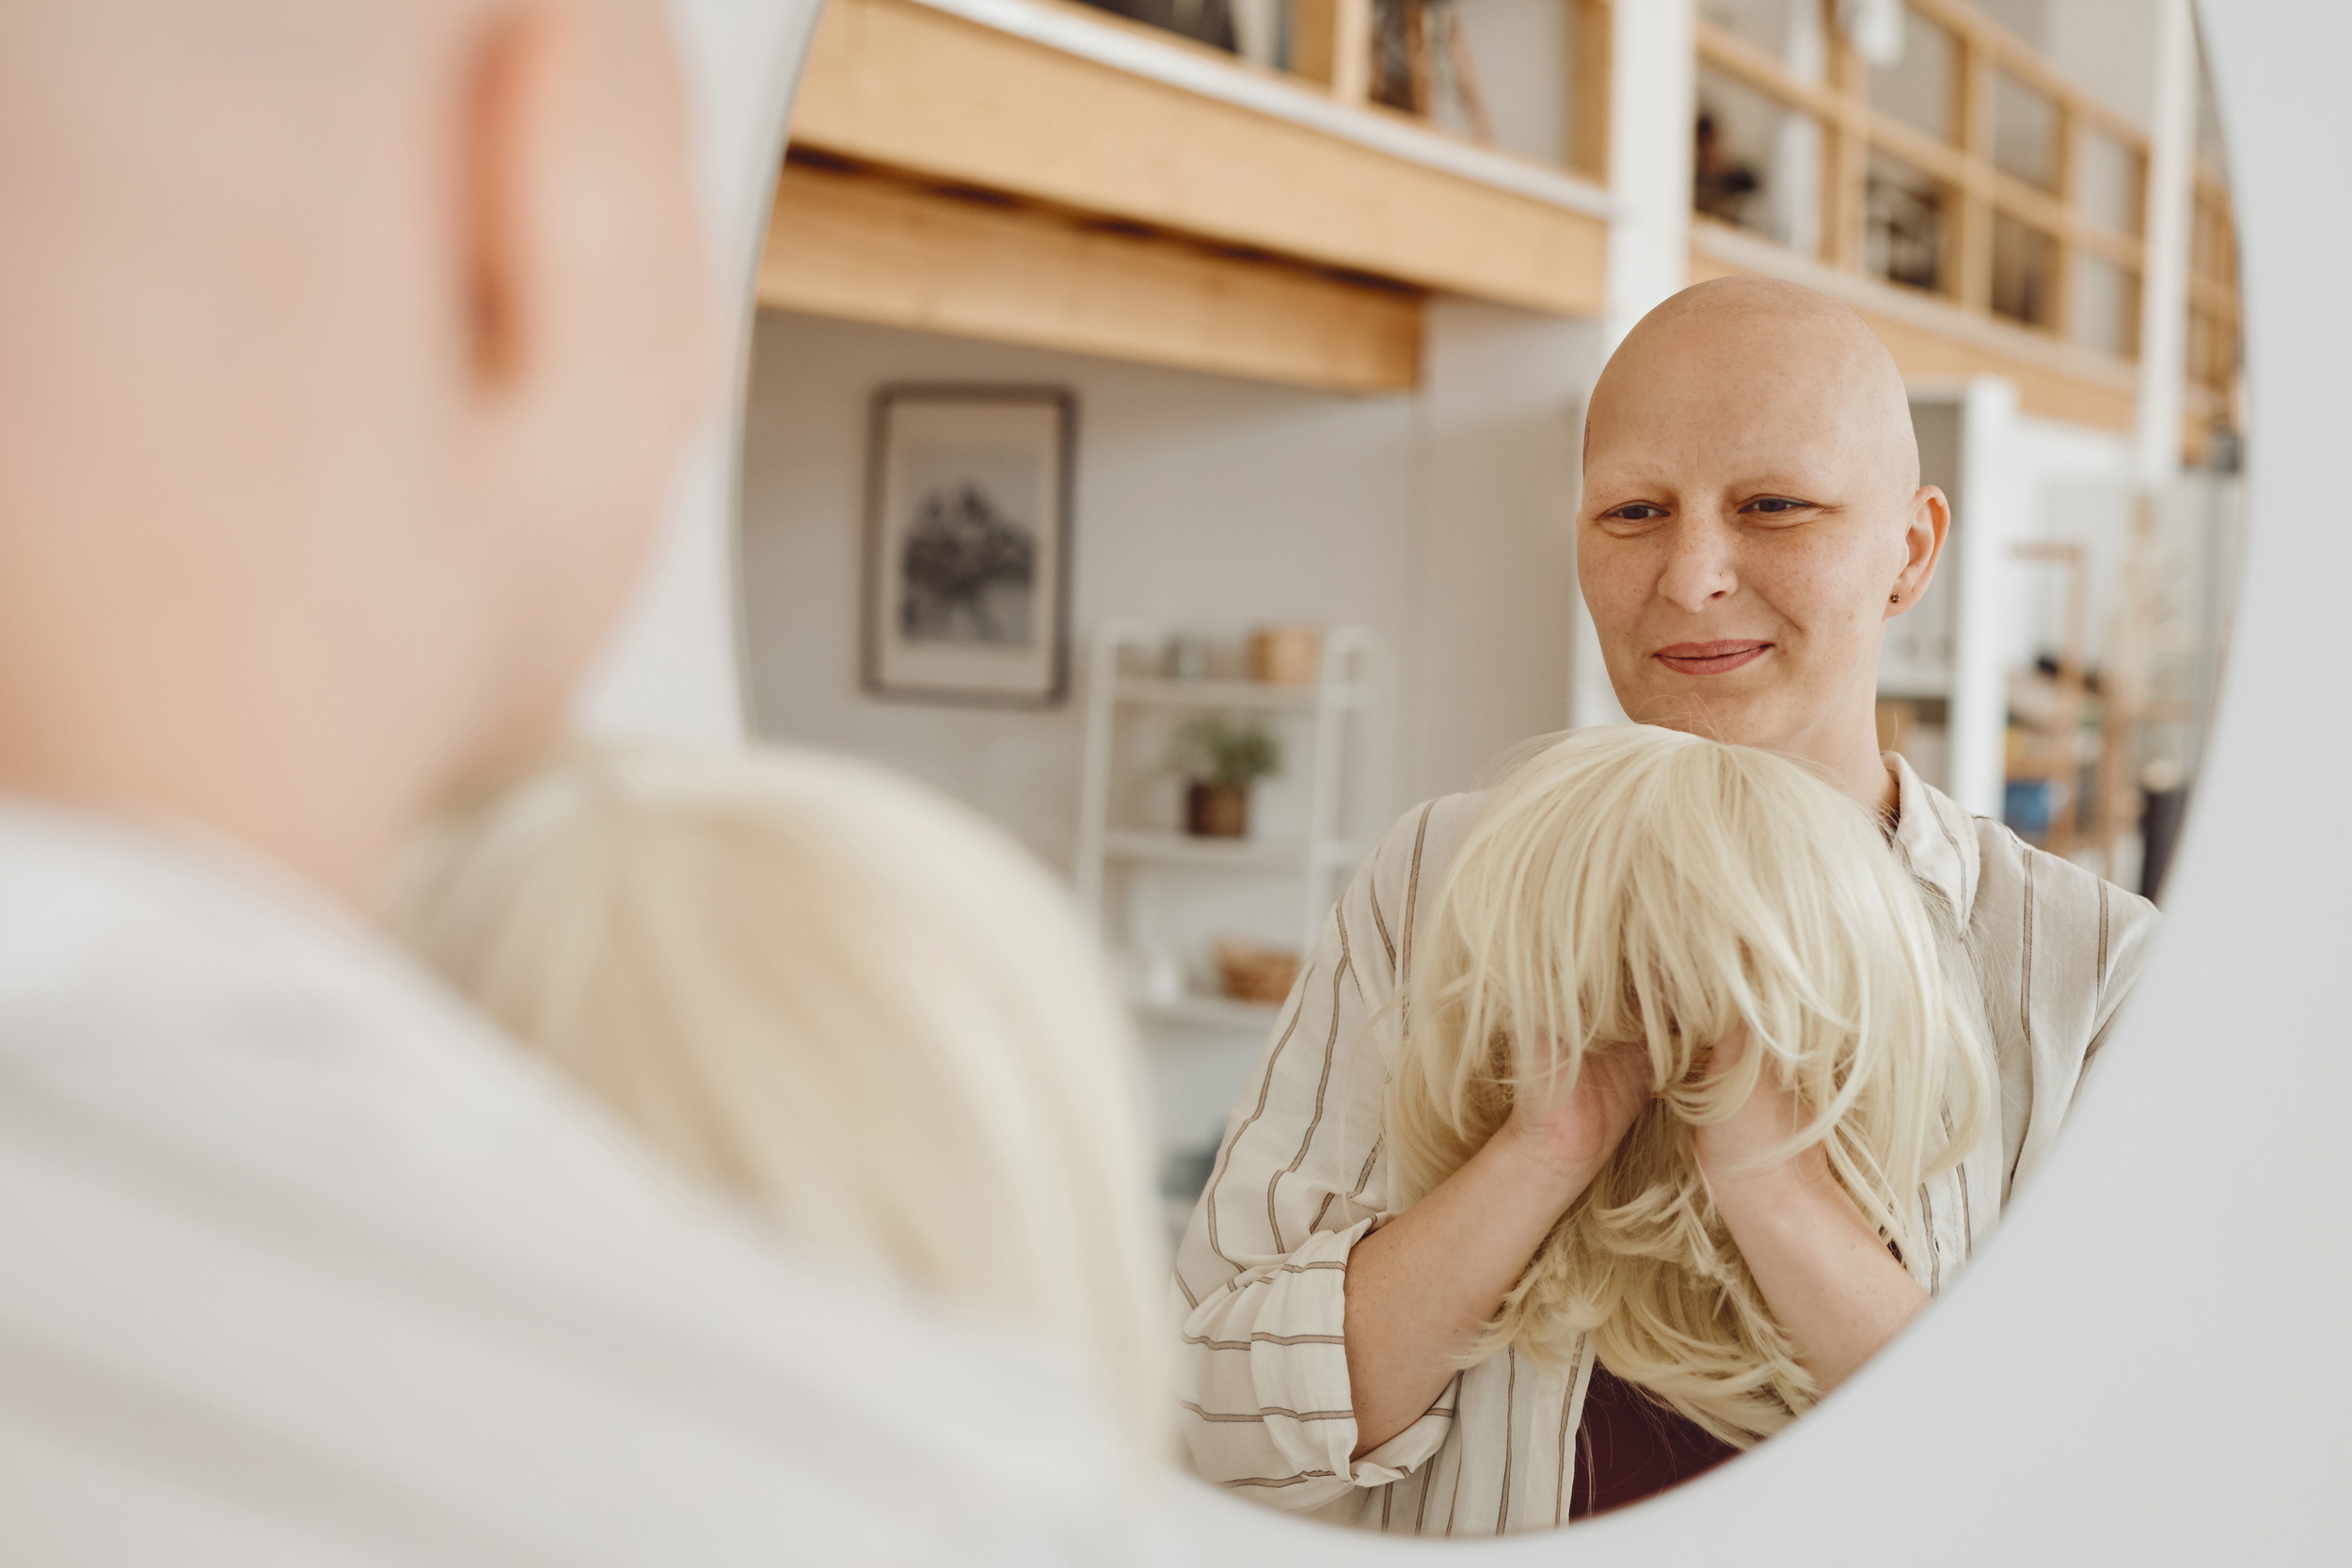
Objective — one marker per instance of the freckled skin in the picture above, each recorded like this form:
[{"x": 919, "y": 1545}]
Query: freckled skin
[{"x": 1751, "y": 478}]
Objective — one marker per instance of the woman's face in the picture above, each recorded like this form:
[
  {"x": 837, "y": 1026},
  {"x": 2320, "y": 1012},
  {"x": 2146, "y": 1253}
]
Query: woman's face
[{"x": 1746, "y": 522}]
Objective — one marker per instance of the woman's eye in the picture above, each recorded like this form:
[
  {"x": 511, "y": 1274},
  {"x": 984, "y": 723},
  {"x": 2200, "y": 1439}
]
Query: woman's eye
[
  {"x": 1639, "y": 512},
  {"x": 1775, "y": 503}
]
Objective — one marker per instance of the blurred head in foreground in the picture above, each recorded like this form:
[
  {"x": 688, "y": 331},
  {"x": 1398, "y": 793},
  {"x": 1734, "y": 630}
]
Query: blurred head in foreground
[
  {"x": 1636, "y": 888},
  {"x": 346, "y": 349},
  {"x": 821, "y": 989}
]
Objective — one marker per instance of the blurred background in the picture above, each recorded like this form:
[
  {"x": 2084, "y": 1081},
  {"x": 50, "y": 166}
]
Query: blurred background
[{"x": 1164, "y": 415}]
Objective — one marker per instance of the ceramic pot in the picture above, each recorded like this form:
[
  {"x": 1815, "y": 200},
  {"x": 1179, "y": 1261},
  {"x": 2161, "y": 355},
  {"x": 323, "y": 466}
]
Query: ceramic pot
[{"x": 1216, "y": 811}]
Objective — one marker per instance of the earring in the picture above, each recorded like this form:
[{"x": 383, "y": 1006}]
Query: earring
[{"x": 1894, "y": 598}]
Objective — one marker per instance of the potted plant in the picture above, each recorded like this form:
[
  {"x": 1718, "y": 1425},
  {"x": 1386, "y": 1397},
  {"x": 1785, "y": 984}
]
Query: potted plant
[{"x": 1220, "y": 758}]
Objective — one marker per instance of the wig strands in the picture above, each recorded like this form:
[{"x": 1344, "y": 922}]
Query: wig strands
[{"x": 1641, "y": 886}]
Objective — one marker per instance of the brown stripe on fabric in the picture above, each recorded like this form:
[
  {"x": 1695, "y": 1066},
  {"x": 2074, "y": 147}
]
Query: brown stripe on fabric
[
  {"x": 1510, "y": 1436},
  {"x": 1347, "y": 958},
  {"x": 1191, "y": 1301},
  {"x": 1560, "y": 1493},
  {"x": 1314, "y": 1227},
  {"x": 1286, "y": 1480},
  {"x": 1363, "y": 1180},
  {"x": 1387, "y": 1499},
  {"x": 1269, "y": 1410},
  {"x": 1309, "y": 1268},
  {"x": 1322, "y": 1087},
  {"x": 1262, "y": 1337},
  {"x": 2103, "y": 933},
  {"x": 1967, "y": 1212},
  {"x": 1225, "y": 1155},
  {"x": 1380, "y": 921},
  {"x": 1412, "y": 900},
  {"x": 1935, "y": 1249},
  {"x": 1428, "y": 1471},
  {"x": 1412, "y": 885},
  {"x": 2024, "y": 984},
  {"x": 1967, "y": 893}
]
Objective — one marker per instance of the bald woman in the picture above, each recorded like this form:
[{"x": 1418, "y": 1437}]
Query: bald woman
[{"x": 1752, "y": 519}]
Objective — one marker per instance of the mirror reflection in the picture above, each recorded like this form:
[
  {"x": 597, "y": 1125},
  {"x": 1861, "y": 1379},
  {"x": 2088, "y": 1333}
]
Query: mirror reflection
[{"x": 1205, "y": 442}]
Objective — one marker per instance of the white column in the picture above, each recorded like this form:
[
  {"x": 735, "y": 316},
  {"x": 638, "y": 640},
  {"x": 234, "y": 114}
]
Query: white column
[
  {"x": 1653, "y": 75},
  {"x": 1652, "y": 104},
  {"x": 2164, "y": 281}
]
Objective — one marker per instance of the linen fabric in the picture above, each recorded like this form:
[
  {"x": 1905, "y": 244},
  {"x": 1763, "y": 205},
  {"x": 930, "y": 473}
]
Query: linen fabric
[
  {"x": 303, "y": 1263},
  {"x": 1301, "y": 1177}
]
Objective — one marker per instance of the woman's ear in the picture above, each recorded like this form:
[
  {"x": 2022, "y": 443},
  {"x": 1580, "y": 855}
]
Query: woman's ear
[
  {"x": 521, "y": 59},
  {"x": 1923, "y": 544}
]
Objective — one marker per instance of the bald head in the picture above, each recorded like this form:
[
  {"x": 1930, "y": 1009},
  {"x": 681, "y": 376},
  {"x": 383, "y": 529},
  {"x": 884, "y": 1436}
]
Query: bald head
[
  {"x": 1751, "y": 517},
  {"x": 347, "y": 347},
  {"x": 1755, "y": 345}
]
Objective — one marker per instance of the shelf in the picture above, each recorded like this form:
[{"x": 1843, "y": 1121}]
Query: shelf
[
  {"x": 1088, "y": 113},
  {"x": 1233, "y": 854},
  {"x": 1219, "y": 1012},
  {"x": 1152, "y": 689}
]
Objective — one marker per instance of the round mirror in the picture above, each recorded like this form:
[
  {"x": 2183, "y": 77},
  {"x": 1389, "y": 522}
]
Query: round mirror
[{"x": 1192, "y": 535}]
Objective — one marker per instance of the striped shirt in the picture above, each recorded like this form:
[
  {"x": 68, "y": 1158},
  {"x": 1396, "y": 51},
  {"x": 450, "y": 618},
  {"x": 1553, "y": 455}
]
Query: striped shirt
[
  {"x": 1302, "y": 1178},
  {"x": 300, "y": 1263}
]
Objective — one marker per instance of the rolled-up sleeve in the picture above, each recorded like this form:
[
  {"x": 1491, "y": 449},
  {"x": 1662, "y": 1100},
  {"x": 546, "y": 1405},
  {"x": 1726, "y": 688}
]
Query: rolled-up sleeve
[{"x": 1261, "y": 1279}]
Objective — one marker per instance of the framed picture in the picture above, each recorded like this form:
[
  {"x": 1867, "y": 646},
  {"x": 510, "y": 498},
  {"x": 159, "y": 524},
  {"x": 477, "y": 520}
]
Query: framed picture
[{"x": 967, "y": 545}]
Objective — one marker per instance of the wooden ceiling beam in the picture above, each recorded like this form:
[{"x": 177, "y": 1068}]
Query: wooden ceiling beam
[{"x": 873, "y": 247}]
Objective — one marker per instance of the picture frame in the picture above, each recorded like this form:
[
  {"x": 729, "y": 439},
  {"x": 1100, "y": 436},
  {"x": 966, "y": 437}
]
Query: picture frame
[{"x": 966, "y": 597}]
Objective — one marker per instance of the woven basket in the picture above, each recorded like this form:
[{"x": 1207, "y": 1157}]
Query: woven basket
[{"x": 1256, "y": 973}]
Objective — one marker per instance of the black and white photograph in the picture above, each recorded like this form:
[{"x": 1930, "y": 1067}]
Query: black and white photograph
[{"x": 967, "y": 545}]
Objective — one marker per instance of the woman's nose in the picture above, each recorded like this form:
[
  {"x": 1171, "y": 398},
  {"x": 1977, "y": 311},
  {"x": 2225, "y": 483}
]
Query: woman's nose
[{"x": 1698, "y": 568}]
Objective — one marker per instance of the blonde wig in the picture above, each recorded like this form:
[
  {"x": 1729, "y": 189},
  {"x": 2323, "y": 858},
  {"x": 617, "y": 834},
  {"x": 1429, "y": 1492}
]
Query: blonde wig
[
  {"x": 1637, "y": 885},
  {"x": 843, "y": 999}
]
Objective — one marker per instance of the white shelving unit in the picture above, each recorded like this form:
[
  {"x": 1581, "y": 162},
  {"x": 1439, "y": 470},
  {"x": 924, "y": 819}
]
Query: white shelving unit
[{"x": 1122, "y": 862}]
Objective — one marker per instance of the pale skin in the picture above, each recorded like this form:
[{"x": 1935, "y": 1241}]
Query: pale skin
[
  {"x": 1752, "y": 518},
  {"x": 323, "y": 520}
]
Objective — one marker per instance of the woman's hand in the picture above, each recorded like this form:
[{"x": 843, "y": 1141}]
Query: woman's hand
[
  {"x": 1571, "y": 1132},
  {"x": 1828, "y": 1278},
  {"x": 1734, "y": 1151},
  {"x": 1421, "y": 1287}
]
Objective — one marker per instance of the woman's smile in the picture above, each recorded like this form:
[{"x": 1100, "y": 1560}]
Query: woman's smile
[{"x": 1712, "y": 658}]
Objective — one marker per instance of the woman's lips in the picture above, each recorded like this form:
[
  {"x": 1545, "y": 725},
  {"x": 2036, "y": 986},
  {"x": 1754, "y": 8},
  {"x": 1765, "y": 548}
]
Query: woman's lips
[{"x": 1710, "y": 658}]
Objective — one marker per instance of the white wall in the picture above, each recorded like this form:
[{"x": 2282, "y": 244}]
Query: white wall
[
  {"x": 1492, "y": 593},
  {"x": 1201, "y": 502},
  {"x": 1439, "y": 519}
]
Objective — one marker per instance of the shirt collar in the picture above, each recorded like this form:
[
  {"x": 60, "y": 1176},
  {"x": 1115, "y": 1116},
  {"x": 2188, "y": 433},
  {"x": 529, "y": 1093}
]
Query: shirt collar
[{"x": 1935, "y": 838}]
